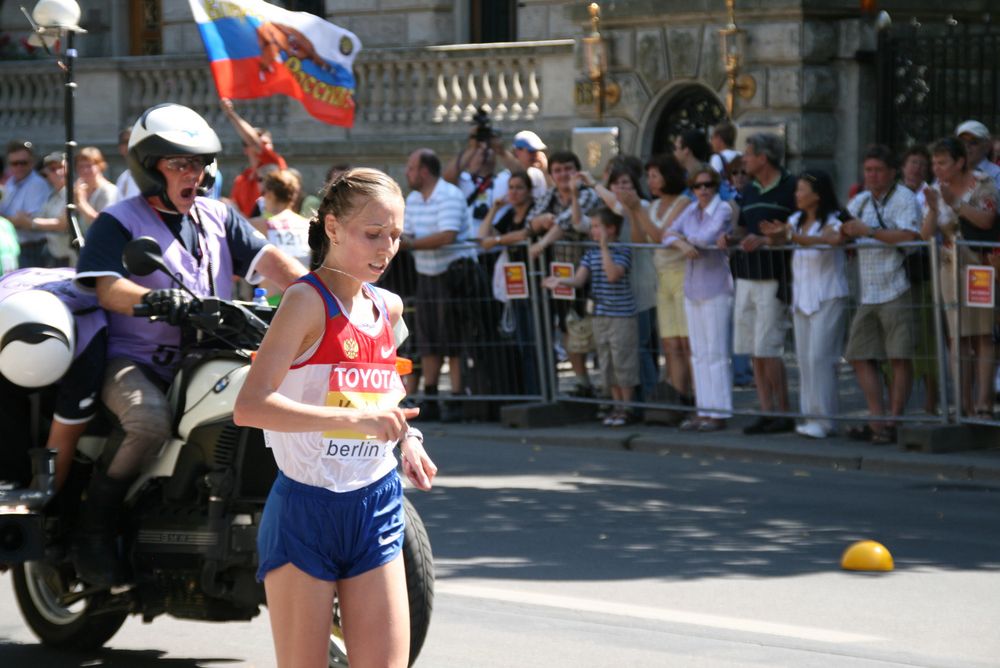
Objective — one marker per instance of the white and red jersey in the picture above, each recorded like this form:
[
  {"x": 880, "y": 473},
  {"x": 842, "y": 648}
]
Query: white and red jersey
[
  {"x": 290, "y": 233},
  {"x": 350, "y": 366}
]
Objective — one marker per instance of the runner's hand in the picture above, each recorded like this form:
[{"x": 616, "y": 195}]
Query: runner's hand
[
  {"x": 388, "y": 425},
  {"x": 417, "y": 465}
]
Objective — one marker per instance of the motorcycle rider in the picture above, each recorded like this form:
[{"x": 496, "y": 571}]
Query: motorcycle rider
[
  {"x": 53, "y": 342},
  {"x": 204, "y": 244}
]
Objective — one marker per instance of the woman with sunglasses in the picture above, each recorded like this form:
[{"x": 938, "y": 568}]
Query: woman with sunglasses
[
  {"x": 819, "y": 296},
  {"x": 708, "y": 297}
]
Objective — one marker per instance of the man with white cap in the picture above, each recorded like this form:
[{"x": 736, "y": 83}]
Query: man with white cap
[
  {"x": 978, "y": 142},
  {"x": 527, "y": 155}
]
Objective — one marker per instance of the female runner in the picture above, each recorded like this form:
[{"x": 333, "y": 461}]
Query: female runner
[{"x": 325, "y": 390}]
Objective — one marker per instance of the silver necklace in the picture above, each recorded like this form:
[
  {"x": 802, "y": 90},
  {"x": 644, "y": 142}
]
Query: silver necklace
[
  {"x": 365, "y": 326},
  {"x": 340, "y": 271}
]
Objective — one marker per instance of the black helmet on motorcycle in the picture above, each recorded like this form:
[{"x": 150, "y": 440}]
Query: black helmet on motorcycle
[{"x": 166, "y": 130}]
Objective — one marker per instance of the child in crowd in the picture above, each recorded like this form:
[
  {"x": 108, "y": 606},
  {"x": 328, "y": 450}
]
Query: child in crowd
[
  {"x": 324, "y": 387},
  {"x": 615, "y": 323}
]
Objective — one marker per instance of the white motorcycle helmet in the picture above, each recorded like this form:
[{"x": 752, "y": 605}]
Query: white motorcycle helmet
[
  {"x": 37, "y": 338},
  {"x": 167, "y": 129}
]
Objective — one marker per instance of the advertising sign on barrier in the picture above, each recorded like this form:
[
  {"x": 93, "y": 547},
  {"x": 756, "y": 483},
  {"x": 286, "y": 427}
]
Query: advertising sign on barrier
[
  {"x": 562, "y": 270},
  {"x": 979, "y": 286},
  {"x": 515, "y": 275}
]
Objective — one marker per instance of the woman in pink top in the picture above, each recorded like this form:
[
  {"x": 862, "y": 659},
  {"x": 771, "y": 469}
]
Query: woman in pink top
[{"x": 708, "y": 298}]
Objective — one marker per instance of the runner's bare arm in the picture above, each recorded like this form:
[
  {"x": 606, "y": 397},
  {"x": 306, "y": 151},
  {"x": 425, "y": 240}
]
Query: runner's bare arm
[{"x": 299, "y": 322}]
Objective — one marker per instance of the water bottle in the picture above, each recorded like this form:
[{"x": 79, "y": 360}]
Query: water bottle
[{"x": 260, "y": 298}]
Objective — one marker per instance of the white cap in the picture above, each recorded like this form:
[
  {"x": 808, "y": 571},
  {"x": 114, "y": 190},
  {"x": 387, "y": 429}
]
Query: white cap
[
  {"x": 529, "y": 140},
  {"x": 974, "y": 128}
]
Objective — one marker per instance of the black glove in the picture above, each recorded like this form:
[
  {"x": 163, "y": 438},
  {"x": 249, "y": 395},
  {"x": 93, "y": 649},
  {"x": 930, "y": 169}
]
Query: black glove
[{"x": 168, "y": 304}]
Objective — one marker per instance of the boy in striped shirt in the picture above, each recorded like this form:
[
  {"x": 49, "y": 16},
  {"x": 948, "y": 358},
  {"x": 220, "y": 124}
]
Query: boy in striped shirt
[{"x": 615, "y": 324}]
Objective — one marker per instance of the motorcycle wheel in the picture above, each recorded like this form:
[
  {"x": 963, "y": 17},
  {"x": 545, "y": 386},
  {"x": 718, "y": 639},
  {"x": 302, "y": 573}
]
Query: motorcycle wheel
[
  {"x": 38, "y": 587},
  {"x": 419, "y": 564}
]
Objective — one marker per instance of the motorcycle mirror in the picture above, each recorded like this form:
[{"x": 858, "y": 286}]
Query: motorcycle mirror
[{"x": 143, "y": 256}]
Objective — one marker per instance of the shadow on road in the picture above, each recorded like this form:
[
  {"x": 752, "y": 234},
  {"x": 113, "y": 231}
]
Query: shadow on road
[
  {"x": 18, "y": 655},
  {"x": 564, "y": 514}
]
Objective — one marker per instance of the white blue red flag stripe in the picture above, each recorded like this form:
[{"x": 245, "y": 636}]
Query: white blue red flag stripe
[{"x": 256, "y": 49}]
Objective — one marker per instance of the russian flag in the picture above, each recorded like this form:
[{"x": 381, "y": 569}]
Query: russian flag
[{"x": 256, "y": 49}]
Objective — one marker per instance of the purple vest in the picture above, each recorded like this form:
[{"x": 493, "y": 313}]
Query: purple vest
[
  {"x": 157, "y": 344},
  {"x": 88, "y": 317}
]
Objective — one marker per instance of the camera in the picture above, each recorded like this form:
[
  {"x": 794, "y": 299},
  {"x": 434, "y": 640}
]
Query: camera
[
  {"x": 480, "y": 210},
  {"x": 484, "y": 126}
]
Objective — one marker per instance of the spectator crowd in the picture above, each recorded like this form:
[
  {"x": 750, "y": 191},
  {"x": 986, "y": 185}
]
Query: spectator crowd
[{"x": 676, "y": 278}]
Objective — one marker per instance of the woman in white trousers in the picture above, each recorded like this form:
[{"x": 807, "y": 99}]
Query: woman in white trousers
[
  {"x": 819, "y": 297},
  {"x": 708, "y": 298}
]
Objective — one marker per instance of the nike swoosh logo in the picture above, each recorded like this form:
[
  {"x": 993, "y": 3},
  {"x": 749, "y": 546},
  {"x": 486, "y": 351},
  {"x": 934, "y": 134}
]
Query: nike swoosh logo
[
  {"x": 388, "y": 350},
  {"x": 388, "y": 539}
]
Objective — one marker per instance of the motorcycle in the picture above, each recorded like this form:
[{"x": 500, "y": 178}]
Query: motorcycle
[{"x": 189, "y": 526}]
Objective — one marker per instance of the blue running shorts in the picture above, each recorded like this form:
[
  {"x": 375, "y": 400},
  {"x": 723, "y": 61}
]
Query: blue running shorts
[{"x": 331, "y": 535}]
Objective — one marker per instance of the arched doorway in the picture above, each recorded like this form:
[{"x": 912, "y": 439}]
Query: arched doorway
[{"x": 690, "y": 107}]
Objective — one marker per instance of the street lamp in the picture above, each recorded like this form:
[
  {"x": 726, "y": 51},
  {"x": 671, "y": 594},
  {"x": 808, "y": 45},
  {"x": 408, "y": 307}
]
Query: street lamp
[
  {"x": 595, "y": 55},
  {"x": 49, "y": 21},
  {"x": 733, "y": 41}
]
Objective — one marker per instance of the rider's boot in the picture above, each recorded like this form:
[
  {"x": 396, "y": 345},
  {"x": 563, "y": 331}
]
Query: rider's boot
[{"x": 95, "y": 549}]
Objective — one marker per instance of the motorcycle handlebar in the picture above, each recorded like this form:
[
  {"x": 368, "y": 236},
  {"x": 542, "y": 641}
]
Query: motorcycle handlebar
[{"x": 239, "y": 325}]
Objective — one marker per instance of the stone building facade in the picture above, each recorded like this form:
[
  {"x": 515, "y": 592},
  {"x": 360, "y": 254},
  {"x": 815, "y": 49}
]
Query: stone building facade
[{"x": 422, "y": 73}]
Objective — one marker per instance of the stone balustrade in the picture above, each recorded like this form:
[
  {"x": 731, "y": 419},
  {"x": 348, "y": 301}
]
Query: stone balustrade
[
  {"x": 399, "y": 91},
  {"x": 30, "y": 98},
  {"x": 447, "y": 84}
]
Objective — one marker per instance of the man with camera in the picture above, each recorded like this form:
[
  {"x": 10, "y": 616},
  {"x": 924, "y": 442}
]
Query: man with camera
[{"x": 473, "y": 169}]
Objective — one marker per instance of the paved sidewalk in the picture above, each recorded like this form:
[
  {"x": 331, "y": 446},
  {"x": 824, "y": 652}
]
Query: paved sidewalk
[{"x": 835, "y": 452}]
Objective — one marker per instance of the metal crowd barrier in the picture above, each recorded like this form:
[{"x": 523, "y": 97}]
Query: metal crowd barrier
[
  {"x": 971, "y": 316},
  {"x": 928, "y": 404},
  {"x": 512, "y": 351},
  {"x": 500, "y": 347}
]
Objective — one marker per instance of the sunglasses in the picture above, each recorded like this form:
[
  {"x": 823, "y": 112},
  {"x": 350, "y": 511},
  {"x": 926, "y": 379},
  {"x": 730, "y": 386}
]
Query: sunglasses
[
  {"x": 184, "y": 164},
  {"x": 702, "y": 185}
]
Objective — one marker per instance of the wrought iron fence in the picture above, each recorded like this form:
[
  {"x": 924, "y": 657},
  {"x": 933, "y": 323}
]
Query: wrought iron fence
[{"x": 933, "y": 77}]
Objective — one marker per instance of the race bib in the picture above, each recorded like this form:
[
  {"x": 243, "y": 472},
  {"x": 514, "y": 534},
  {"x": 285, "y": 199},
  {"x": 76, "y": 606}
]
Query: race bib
[
  {"x": 289, "y": 240},
  {"x": 362, "y": 386}
]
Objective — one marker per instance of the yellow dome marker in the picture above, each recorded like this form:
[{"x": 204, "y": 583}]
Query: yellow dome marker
[{"x": 867, "y": 555}]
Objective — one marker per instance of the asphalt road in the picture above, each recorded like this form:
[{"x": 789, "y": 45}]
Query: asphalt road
[{"x": 562, "y": 556}]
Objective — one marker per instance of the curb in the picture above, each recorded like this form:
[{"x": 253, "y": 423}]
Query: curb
[{"x": 831, "y": 454}]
